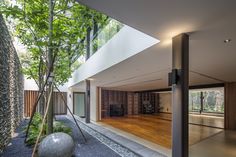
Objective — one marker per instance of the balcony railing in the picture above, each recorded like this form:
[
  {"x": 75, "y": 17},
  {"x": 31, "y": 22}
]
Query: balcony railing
[
  {"x": 104, "y": 35},
  {"x": 97, "y": 40}
]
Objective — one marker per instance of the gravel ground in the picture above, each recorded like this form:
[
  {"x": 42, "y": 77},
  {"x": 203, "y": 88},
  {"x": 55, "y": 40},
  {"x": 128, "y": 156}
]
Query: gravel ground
[
  {"x": 92, "y": 148},
  {"x": 17, "y": 148}
]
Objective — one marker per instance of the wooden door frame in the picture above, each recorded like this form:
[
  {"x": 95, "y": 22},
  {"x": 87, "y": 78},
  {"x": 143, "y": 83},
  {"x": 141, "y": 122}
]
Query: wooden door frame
[{"x": 74, "y": 99}]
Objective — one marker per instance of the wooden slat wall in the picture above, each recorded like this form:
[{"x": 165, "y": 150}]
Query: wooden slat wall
[
  {"x": 230, "y": 106},
  {"x": 29, "y": 100},
  {"x": 59, "y": 106},
  {"x": 147, "y": 96},
  {"x": 31, "y": 96},
  {"x": 132, "y": 103},
  {"x": 112, "y": 97}
]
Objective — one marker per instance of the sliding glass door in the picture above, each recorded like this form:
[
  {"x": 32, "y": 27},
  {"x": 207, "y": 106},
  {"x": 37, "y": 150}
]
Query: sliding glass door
[
  {"x": 209, "y": 100},
  {"x": 194, "y": 101},
  {"x": 79, "y": 104}
]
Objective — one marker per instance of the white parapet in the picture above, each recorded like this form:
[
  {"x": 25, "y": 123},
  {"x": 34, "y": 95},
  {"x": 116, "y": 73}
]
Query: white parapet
[{"x": 126, "y": 43}]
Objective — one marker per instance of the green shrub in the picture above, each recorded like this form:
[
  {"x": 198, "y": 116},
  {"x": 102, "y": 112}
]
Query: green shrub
[{"x": 36, "y": 125}]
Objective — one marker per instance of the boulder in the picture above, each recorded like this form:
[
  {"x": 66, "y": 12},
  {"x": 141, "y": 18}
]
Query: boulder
[{"x": 56, "y": 145}]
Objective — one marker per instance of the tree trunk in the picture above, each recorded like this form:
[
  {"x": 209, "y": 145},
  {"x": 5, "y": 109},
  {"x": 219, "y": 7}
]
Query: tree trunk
[
  {"x": 50, "y": 70},
  {"x": 41, "y": 83}
]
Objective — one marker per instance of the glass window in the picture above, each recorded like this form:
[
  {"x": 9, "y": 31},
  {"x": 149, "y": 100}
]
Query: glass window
[
  {"x": 194, "y": 101},
  {"x": 213, "y": 100}
]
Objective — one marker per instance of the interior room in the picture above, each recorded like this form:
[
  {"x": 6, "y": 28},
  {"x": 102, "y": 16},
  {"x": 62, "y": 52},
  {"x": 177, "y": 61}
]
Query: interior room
[{"x": 147, "y": 114}]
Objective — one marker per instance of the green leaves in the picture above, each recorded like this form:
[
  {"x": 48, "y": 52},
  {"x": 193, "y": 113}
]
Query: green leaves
[
  {"x": 70, "y": 24},
  {"x": 36, "y": 125}
]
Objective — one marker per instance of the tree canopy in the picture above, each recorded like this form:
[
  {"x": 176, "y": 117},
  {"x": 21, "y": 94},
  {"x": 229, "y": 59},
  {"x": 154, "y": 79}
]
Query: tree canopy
[{"x": 70, "y": 23}]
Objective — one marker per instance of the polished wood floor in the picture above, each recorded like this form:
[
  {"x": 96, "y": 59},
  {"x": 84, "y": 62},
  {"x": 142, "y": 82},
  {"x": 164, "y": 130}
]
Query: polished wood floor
[{"x": 157, "y": 128}]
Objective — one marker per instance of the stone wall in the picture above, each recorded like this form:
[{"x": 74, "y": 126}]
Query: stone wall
[{"x": 11, "y": 87}]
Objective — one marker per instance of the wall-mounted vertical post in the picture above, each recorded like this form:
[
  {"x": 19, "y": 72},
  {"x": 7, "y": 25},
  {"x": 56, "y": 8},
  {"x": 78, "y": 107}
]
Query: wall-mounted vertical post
[
  {"x": 202, "y": 98},
  {"x": 180, "y": 62},
  {"x": 88, "y": 43},
  {"x": 87, "y": 101}
]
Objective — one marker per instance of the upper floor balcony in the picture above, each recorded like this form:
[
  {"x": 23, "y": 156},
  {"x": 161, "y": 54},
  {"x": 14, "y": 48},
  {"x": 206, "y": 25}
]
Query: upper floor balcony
[
  {"x": 108, "y": 46},
  {"x": 96, "y": 38}
]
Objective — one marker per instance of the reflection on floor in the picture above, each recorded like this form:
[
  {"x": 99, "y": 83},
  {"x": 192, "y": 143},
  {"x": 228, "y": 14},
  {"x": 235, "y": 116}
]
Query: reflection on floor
[
  {"x": 199, "y": 119},
  {"x": 220, "y": 145},
  {"x": 157, "y": 128},
  {"x": 207, "y": 120}
]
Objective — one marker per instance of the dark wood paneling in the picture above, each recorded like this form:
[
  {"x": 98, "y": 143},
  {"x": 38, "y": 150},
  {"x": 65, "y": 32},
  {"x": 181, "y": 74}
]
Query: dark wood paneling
[
  {"x": 230, "y": 106},
  {"x": 148, "y": 96},
  {"x": 112, "y": 97}
]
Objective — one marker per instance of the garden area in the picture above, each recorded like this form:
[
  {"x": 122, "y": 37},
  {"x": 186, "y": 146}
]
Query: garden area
[
  {"x": 91, "y": 148},
  {"x": 43, "y": 40}
]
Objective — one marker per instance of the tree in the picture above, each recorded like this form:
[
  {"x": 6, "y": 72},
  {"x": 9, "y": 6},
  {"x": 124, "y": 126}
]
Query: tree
[{"x": 55, "y": 41}]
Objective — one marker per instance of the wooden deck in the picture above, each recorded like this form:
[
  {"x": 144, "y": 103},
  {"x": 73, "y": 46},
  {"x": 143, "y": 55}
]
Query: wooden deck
[{"x": 157, "y": 128}]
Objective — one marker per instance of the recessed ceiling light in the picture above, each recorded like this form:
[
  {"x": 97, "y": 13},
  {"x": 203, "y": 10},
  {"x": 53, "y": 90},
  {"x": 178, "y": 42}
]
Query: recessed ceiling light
[{"x": 227, "y": 40}]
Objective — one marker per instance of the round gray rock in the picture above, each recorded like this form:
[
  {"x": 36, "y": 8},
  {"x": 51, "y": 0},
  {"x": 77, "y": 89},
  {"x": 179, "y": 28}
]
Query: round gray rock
[{"x": 56, "y": 145}]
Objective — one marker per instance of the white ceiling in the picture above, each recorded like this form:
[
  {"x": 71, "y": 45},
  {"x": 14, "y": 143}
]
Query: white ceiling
[{"x": 208, "y": 23}]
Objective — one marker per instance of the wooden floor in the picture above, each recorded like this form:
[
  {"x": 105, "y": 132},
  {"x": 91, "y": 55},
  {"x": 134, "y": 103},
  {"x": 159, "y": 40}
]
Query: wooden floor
[{"x": 157, "y": 128}]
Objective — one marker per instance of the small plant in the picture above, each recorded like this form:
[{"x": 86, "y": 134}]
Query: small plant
[
  {"x": 61, "y": 127},
  {"x": 35, "y": 129},
  {"x": 36, "y": 126}
]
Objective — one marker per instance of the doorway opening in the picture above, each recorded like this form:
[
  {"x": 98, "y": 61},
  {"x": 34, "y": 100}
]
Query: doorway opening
[
  {"x": 206, "y": 107},
  {"x": 79, "y": 104}
]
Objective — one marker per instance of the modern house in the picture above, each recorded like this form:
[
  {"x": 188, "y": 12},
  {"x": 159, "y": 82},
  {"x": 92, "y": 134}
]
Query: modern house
[{"x": 162, "y": 75}]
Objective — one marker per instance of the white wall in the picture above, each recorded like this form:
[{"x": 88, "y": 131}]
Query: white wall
[
  {"x": 78, "y": 88},
  {"x": 165, "y": 100},
  {"x": 70, "y": 100},
  {"x": 93, "y": 103},
  {"x": 29, "y": 84},
  {"x": 126, "y": 43},
  {"x": 93, "y": 98}
]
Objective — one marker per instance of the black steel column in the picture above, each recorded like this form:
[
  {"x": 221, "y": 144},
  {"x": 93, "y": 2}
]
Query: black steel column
[
  {"x": 88, "y": 43},
  {"x": 87, "y": 101},
  {"x": 180, "y": 62},
  {"x": 202, "y": 97}
]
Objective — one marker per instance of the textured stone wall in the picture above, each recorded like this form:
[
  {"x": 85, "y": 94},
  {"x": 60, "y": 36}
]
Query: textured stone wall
[{"x": 11, "y": 87}]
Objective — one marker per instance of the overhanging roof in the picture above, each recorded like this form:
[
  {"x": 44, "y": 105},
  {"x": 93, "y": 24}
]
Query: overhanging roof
[{"x": 209, "y": 23}]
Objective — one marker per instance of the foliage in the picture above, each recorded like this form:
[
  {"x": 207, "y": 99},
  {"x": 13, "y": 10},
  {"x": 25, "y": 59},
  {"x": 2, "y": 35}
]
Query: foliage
[
  {"x": 213, "y": 100},
  {"x": 70, "y": 24},
  {"x": 60, "y": 127},
  {"x": 105, "y": 34},
  {"x": 36, "y": 127}
]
